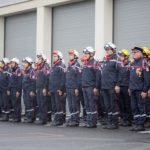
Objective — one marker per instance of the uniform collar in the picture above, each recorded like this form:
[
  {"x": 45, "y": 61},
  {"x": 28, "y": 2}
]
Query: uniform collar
[
  {"x": 136, "y": 59},
  {"x": 40, "y": 66},
  {"x": 88, "y": 61},
  {"x": 125, "y": 62},
  {"x": 146, "y": 59},
  {"x": 55, "y": 63},
  {"x": 5, "y": 67},
  {"x": 108, "y": 57},
  {"x": 28, "y": 69},
  {"x": 71, "y": 62}
]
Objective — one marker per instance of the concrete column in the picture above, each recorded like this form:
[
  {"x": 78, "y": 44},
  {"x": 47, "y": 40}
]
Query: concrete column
[
  {"x": 44, "y": 30},
  {"x": 103, "y": 25},
  {"x": 1, "y": 37}
]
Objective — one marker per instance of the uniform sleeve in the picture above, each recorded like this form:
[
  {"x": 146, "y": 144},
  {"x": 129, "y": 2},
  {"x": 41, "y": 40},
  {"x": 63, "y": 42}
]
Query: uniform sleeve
[
  {"x": 20, "y": 76},
  {"x": 119, "y": 72},
  {"x": 8, "y": 78},
  {"x": 33, "y": 81},
  {"x": 78, "y": 74},
  {"x": 97, "y": 71},
  {"x": 146, "y": 78},
  {"x": 46, "y": 77},
  {"x": 62, "y": 77}
]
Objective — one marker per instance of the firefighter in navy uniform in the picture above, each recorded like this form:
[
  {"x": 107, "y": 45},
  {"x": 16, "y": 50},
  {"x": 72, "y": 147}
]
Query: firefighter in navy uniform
[
  {"x": 146, "y": 55},
  {"x": 29, "y": 89},
  {"x": 124, "y": 98},
  {"x": 57, "y": 87},
  {"x": 110, "y": 85},
  {"x": 35, "y": 67},
  {"x": 90, "y": 83},
  {"x": 81, "y": 97},
  {"x": 15, "y": 89},
  {"x": 49, "y": 104},
  {"x": 72, "y": 88},
  {"x": 138, "y": 88},
  {"x": 41, "y": 88},
  {"x": 4, "y": 81}
]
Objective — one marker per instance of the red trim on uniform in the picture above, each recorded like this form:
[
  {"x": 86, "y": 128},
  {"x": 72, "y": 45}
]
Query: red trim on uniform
[
  {"x": 145, "y": 67},
  {"x": 39, "y": 67},
  {"x": 146, "y": 59},
  {"x": 125, "y": 62},
  {"x": 89, "y": 60},
  {"x": 28, "y": 68},
  {"x": 92, "y": 66},
  {"x": 71, "y": 62},
  {"x": 55, "y": 63},
  {"x": 108, "y": 57},
  {"x": 137, "y": 58}
]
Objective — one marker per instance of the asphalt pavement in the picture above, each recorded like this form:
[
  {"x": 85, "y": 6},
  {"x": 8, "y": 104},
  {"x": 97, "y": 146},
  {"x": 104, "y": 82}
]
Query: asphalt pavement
[{"x": 21, "y": 136}]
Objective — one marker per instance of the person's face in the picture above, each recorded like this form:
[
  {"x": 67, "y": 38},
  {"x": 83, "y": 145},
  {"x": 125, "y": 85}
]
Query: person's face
[
  {"x": 122, "y": 58},
  {"x": 109, "y": 52},
  {"x": 137, "y": 54},
  {"x": 55, "y": 58},
  {"x": 13, "y": 64},
  {"x": 71, "y": 57},
  {"x": 40, "y": 60},
  {"x": 25, "y": 65},
  {"x": 87, "y": 56}
]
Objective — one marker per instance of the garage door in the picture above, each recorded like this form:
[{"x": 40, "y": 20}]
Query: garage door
[
  {"x": 20, "y": 35},
  {"x": 73, "y": 27},
  {"x": 131, "y": 23}
]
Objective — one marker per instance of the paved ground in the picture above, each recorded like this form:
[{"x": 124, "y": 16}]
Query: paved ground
[{"x": 33, "y": 137}]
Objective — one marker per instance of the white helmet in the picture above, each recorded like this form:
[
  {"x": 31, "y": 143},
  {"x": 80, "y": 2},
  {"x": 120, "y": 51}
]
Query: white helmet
[
  {"x": 41, "y": 55},
  {"x": 28, "y": 59},
  {"x": 89, "y": 49},
  {"x": 16, "y": 60},
  {"x": 58, "y": 53},
  {"x": 75, "y": 52},
  {"x": 110, "y": 45},
  {"x": 6, "y": 61}
]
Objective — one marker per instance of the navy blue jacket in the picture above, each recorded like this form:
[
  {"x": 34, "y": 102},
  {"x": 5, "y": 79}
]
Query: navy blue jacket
[
  {"x": 124, "y": 74},
  {"x": 73, "y": 75},
  {"x": 110, "y": 73},
  {"x": 57, "y": 77},
  {"x": 91, "y": 74},
  {"x": 42, "y": 76},
  {"x": 16, "y": 79},
  {"x": 139, "y": 76},
  {"x": 4, "y": 78},
  {"x": 28, "y": 81}
]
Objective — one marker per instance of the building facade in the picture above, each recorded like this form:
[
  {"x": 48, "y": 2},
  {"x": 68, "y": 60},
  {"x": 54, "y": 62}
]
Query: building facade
[{"x": 30, "y": 26}]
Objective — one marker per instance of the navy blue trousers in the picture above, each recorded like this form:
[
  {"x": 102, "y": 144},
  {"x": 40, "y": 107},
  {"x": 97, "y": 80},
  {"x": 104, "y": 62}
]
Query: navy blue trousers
[
  {"x": 138, "y": 108},
  {"x": 111, "y": 105},
  {"x": 42, "y": 104},
  {"x": 29, "y": 104},
  {"x": 73, "y": 103},
  {"x": 125, "y": 104},
  {"x": 16, "y": 104},
  {"x": 90, "y": 104},
  {"x": 57, "y": 106}
]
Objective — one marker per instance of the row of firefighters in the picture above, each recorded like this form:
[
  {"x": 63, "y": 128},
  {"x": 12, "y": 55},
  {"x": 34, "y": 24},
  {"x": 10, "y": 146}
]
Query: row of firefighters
[{"x": 115, "y": 90}]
